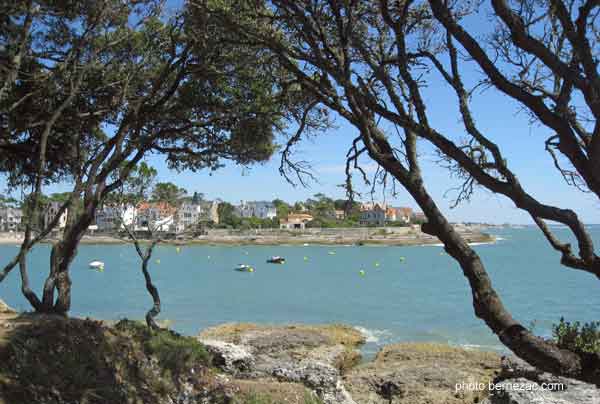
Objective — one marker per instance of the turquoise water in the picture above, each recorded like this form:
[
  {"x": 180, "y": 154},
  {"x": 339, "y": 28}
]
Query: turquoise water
[{"x": 423, "y": 298}]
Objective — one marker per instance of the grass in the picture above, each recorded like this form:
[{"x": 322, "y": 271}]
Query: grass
[
  {"x": 262, "y": 398},
  {"x": 174, "y": 352},
  {"x": 335, "y": 333}
]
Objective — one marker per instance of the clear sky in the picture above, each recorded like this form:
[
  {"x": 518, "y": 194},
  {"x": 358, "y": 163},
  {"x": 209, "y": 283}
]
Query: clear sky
[{"x": 497, "y": 117}]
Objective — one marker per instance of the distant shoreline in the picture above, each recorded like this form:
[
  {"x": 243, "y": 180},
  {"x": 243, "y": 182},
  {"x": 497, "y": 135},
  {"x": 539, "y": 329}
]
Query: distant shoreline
[{"x": 331, "y": 237}]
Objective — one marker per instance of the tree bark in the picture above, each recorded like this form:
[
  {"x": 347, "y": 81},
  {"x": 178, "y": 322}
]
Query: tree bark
[{"x": 155, "y": 310}]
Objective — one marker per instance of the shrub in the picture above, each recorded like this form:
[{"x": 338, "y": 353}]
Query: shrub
[
  {"x": 576, "y": 337},
  {"x": 175, "y": 352}
]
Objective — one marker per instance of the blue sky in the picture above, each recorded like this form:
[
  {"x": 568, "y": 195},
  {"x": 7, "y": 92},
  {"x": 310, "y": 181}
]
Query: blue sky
[{"x": 497, "y": 117}]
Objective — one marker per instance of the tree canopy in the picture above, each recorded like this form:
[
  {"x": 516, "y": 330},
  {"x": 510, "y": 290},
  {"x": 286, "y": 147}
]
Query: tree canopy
[{"x": 91, "y": 88}]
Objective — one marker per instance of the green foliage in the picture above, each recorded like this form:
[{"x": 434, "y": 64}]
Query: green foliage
[
  {"x": 577, "y": 337},
  {"x": 227, "y": 217},
  {"x": 168, "y": 192},
  {"x": 283, "y": 208},
  {"x": 174, "y": 352}
]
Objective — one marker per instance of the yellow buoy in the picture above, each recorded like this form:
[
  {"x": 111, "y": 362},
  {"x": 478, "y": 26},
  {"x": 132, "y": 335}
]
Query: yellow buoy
[
  {"x": 157, "y": 261},
  {"x": 305, "y": 258},
  {"x": 377, "y": 264},
  {"x": 402, "y": 258},
  {"x": 251, "y": 270},
  {"x": 178, "y": 249},
  {"x": 361, "y": 272}
]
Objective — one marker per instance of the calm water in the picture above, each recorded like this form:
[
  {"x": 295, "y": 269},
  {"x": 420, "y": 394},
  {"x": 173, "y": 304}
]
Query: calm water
[{"x": 423, "y": 298}]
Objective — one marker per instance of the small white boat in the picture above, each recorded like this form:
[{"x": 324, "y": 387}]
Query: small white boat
[
  {"x": 276, "y": 260},
  {"x": 244, "y": 268},
  {"x": 97, "y": 265}
]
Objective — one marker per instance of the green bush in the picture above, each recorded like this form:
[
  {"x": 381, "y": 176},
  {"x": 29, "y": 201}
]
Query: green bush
[
  {"x": 576, "y": 337},
  {"x": 174, "y": 352}
]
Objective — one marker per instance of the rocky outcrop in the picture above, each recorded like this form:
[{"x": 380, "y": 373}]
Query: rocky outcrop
[
  {"x": 231, "y": 358},
  {"x": 415, "y": 373},
  {"x": 310, "y": 355},
  {"x": 5, "y": 309},
  {"x": 521, "y": 383}
]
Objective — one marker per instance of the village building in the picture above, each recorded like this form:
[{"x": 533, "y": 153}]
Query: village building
[
  {"x": 155, "y": 216},
  {"x": 419, "y": 217},
  {"x": 404, "y": 214},
  {"x": 295, "y": 221},
  {"x": 373, "y": 214},
  {"x": 10, "y": 219},
  {"x": 115, "y": 217},
  {"x": 191, "y": 214},
  {"x": 51, "y": 213},
  {"x": 259, "y": 209}
]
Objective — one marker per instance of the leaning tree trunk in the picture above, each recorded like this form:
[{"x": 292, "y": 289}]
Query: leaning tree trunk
[
  {"x": 61, "y": 257},
  {"x": 155, "y": 310},
  {"x": 488, "y": 306}
]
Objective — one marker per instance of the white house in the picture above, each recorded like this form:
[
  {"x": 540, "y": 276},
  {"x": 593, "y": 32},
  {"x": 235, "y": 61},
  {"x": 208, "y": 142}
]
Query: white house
[
  {"x": 155, "y": 216},
  {"x": 52, "y": 212},
  {"x": 260, "y": 209},
  {"x": 373, "y": 214},
  {"x": 115, "y": 217},
  {"x": 10, "y": 219},
  {"x": 189, "y": 214},
  {"x": 295, "y": 221}
]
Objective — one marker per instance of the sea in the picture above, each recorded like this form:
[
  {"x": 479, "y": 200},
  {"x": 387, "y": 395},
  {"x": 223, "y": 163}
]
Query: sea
[{"x": 391, "y": 294}]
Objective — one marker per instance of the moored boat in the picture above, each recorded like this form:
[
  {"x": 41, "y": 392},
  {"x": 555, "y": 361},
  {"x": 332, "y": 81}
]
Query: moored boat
[
  {"x": 276, "y": 260},
  {"x": 97, "y": 265},
  {"x": 244, "y": 268}
]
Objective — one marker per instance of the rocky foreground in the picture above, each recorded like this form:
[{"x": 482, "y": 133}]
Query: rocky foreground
[
  {"x": 326, "y": 360},
  {"x": 54, "y": 360}
]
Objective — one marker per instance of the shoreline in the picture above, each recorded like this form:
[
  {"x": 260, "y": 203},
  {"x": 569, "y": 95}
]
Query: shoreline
[
  {"x": 285, "y": 361},
  {"x": 283, "y": 239}
]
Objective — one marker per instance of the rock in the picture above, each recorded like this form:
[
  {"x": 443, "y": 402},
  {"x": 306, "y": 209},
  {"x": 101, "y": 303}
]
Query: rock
[
  {"x": 307, "y": 355},
  {"x": 5, "y": 308},
  {"x": 231, "y": 358},
  {"x": 320, "y": 377},
  {"x": 412, "y": 373},
  {"x": 521, "y": 383}
]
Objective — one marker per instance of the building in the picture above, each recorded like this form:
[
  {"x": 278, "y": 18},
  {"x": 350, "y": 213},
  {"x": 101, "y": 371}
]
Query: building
[
  {"x": 259, "y": 209},
  {"x": 110, "y": 218},
  {"x": 190, "y": 214},
  {"x": 404, "y": 214},
  {"x": 391, "y": 214},
  {"x": 158, "y": 216},
  {"x": 373, "y": 214},
  {"x": 295, "y": 221},
  {"x": 340, "y": 214},
  {"x": 51, "y": 213},
  {"x": 419, "y": 217},
  {"x": 10, "y": 219}
]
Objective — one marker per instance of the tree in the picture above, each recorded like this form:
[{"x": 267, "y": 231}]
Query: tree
[
  {"x": 108, "y": 83},
  {"x": 282, "y": 207},
  {"x": 136, "y": 189},
  {"x": 197, "y": 197},
  {"x": 168, "y": 192},
  {"x": 226, "y": 212},
  {"x": 369, "y": 60}
]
